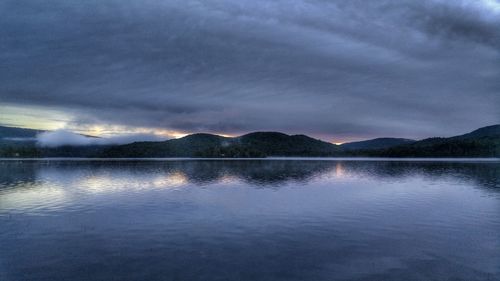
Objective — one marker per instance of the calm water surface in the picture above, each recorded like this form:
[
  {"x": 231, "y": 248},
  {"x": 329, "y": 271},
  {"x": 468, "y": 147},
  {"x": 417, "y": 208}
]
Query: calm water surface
[{"x": 249, "y": 220}]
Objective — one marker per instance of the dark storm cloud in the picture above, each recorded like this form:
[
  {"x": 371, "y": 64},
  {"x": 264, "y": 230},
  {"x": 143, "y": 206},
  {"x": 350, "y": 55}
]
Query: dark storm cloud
[{"x": 327, "y": 68}]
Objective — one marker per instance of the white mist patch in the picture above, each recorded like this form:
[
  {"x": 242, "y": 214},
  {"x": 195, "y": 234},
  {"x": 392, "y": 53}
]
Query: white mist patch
[
  {"x": 63, "y": 137},
  {"x": 493, "y": 5},
  {"x": 19, "y": 139}
]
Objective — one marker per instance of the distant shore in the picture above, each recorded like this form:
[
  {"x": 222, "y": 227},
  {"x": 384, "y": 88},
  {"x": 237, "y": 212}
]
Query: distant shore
[{"x": 402, "y": 159}]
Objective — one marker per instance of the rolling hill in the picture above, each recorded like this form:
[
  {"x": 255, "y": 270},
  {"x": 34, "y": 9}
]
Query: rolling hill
[
  {"x": 483, "y": 142},
  {"x": 13, "y": 135},
  {"x": 378, "y": 143},
  {"x": 488, "y": 131},
  {"x": 258, "y": 144}
]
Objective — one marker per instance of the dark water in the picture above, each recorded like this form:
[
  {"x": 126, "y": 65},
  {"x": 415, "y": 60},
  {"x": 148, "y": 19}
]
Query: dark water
[{"x": 249, "y": 220}]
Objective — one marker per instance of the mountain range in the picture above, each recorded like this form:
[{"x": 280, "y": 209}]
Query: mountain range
[
  {"x": 483, "y": 142},
  {"x": 378, "y": 143}
]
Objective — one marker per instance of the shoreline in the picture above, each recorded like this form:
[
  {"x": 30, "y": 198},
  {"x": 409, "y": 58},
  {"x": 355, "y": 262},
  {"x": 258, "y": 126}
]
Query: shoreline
[{"x": 381, "y": 159}]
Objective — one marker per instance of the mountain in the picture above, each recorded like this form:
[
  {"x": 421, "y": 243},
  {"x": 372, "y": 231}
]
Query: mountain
[
  {"x": 483, "y": 142},
  {"x": 488, "y": 131},
  {"x": 187, "y": 146},
  {"x": 258, "y": 144},
  {"x": 378, "y": 143},
  {"x": 13, "y": 134},
  {"x": 279, "y": 144}
]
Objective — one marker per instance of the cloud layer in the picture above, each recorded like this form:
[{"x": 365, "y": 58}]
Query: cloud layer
[
  {"x": 62, "y": 137},
  {"x": 332, "y": 69}
]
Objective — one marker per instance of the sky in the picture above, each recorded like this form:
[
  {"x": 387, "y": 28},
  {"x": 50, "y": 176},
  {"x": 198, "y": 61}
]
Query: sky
[{"x": 334, "y": 70}]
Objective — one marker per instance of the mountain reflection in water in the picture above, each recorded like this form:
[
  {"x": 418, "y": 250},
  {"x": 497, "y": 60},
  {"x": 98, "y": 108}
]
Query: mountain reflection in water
[{"x": 249, "y": 220}]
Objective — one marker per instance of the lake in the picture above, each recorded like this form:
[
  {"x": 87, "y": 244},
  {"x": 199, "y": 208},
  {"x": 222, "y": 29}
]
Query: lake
[{"x": 275, "y": 219}]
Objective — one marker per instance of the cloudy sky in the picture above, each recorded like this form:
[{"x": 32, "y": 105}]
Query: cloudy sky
[{"x": 336, "y": 70}]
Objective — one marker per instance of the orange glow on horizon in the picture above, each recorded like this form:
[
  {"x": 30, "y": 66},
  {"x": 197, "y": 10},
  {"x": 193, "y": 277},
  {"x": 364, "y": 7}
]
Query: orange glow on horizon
[{"x": 51, "y": 119}]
